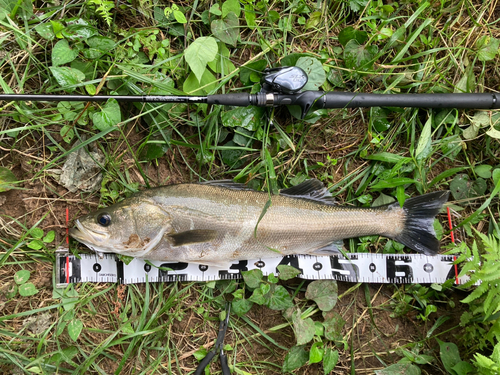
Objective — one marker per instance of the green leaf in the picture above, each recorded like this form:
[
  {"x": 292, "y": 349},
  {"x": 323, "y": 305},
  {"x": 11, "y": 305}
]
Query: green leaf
[
  {"x": 193, "y": 86},
  {"x": 58, "y": 27},
  {"x": 324, "y": 293},
  {"x": 450, "y": 356},
  {"x": 241, "y": 306},
  {"x": 36, "y": 233},
  {"x": 330, "y": 360},
  {"x": 483, "y": 362},
  {"x": 359, "y": 57},
  {"x": 468, "y": 81},
  {"x": 250, "y": 73},
  {"x": 49, "y": 237},
  {"x": 483, "y": 170},
  {"x": 448, "y": 173},
  {"x": 250, "y": 16},
  {"x": 179, "y": 16},
  {"x": 154, "y": 151},
  {"x": 91, "y": 89},
  {"x": 314, "y": 70},
  {"x": 304, "y": 328},
  {"x": 295, "y": 358},
  {"x": 109, "y": 116},
  {"x": 496, "y": 176},
  {"x": 333, "y": 325},
  {"x": 461, "y": 187},
  {"x": 316, "y": 353},
  {"x": 272, "y": 279},
  {"x": 279, "y": 299},
  {"x": 200, "y": 353},
  {"x": 62, "y": 53},
  {"x": 227, "y": 29},
  {"x": 392, "y": 182},
  {"x": 27, "y": 290},
  {"x": 75, "y": 328},
  {"x": 464, "y": 368},
  {"x": 471, "y": 132},
  {"x": 287, "y": 272},
  {"x": 6, "y": 6},
  {"x": 232, "y": 157},
  {"x": 350, "y": 33},
  {"x": 77, "y": 32},
  {"x": 125, "y": 258},
  {"x": 424, "y": 142},
  {"x": 199, "y": 53},
  {"x": 252, "y": 278},
  {"x": 222, "y": 63},
  {"x": 45, "y": 30},
  {"x": 438, "y": 228},
  {"x": 7, "y": 179},
  {"x": 231, "y": 6},
  {"x": 67, "y": 133},
  {"x": 382, "y": 200},
  {"x": 127, "y": 328},
  {"x": 400, "y": 368},
  {"x": 35, "y": 245},
  {"x": 67, "y": 77},
  {"x": 314, "y": 20},
  {"x": 10, "y": 290},
  {"x": 378, "y": 118},
  {"x": 258, "y": 296},
  {"x": 493, "y": 133},
  {"x": 357, "y": 5},
  {"x": 249, "y": 118},
  {"x": 102, "y": 43},
  {"x": 21, "y": 277},
  {"x": 386, "y": 157},
  {"x": 242, "y": 137},
  {"x": 481, "y": 119},
  {"x": 215, "y": 9},
  {"x": 487, "y": 48}
]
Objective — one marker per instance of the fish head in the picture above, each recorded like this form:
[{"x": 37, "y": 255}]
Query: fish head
[{"x": 133, "y": 227}]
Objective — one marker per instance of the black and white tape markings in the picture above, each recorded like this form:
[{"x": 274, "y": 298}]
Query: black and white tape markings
[{"x": 357, "y": 267}]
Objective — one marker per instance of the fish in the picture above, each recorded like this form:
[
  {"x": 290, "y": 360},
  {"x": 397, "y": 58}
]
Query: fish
[{"x": 219, "y": 222}]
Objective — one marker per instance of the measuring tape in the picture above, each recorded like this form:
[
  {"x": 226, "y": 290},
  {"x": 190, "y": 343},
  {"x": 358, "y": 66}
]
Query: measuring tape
[{"x": 355, "y": 268}]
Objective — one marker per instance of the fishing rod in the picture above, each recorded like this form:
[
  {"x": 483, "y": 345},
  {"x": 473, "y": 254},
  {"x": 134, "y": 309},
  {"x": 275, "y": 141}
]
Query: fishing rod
[{"x": 282, "y": 86}]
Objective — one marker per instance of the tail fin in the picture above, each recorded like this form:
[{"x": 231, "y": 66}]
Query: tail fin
[{"x": 418, "y": 233}]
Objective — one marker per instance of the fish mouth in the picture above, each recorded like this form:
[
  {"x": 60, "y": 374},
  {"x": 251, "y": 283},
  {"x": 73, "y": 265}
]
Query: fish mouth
[{"x": 88, "y": 236}]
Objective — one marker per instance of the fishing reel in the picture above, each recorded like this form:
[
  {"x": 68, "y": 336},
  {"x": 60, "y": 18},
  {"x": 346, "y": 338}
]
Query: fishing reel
[
  {"x": 282, "y": 86},
  {"x": 283, "y": 80}
]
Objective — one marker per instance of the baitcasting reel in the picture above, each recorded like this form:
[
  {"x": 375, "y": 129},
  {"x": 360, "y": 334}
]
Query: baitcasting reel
[{"x": 283, "y": 80}]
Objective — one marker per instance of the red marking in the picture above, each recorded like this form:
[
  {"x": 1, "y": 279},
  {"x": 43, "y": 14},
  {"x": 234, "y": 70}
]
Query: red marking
[
  {"x": 451, "y": 225},
  {"x": 67, "y": 226},
  {"x": 67, "y": 270},
  {"x": 452, "y": 240}
]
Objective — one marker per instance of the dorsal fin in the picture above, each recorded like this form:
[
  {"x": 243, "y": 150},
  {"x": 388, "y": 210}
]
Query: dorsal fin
[
  {"x": 228, "y": 184},
  {"x": 312, "y": 189}
]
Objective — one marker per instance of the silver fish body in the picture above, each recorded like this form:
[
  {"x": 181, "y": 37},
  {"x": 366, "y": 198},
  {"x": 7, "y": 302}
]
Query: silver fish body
[{"x": 218, "y": 222}]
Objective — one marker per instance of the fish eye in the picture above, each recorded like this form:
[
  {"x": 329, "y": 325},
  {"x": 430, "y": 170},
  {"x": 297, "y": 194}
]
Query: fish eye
[{"x": 104, "y": 219}]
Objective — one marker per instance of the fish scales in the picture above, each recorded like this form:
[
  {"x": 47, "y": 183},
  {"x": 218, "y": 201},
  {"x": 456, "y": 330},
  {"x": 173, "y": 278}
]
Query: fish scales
[
  {"x": 217, "y": 223},
  {"x": 234, "y": 215}
]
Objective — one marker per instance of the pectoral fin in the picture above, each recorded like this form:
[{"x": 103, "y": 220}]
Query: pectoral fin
[
  {"x": 331, "y": 249},
  {"x": 192, "y": 237}
]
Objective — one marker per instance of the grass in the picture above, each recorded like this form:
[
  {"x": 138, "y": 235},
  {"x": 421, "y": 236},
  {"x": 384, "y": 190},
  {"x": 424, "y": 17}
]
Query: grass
[{"x": 361, "y": 154}]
